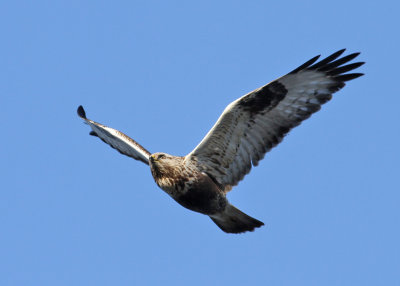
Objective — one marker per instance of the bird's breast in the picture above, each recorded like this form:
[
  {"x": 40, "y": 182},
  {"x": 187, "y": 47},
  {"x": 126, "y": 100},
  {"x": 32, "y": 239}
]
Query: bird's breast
[{"x": 174, "y": 186}]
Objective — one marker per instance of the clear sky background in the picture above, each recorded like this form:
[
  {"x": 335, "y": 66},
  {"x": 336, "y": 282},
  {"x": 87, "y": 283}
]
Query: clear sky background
[{"x": 75, "y": 212}]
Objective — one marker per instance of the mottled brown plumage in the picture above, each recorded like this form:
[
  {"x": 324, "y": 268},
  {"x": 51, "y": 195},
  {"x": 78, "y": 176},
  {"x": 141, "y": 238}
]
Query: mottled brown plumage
[
  {"x": 196, "y": 191},
  {"x": 248, "y": 128}
]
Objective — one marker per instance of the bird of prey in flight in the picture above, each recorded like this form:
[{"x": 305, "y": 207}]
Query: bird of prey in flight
[{"x": 248, "y": 128}]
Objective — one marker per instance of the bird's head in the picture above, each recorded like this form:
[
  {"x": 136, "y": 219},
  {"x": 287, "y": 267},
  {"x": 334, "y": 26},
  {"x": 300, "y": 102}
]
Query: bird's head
[{"x": 162, "y": 164}]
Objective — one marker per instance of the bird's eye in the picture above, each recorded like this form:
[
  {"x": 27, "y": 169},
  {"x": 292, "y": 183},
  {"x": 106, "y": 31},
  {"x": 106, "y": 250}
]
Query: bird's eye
[{"x": 161, "y": 156}]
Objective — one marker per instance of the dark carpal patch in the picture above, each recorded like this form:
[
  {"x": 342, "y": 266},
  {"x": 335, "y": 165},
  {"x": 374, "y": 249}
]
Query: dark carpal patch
[{"x": 265, "y": 98}]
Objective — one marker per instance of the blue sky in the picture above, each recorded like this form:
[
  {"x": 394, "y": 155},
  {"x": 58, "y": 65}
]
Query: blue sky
[{"x": 75, "y": 212}]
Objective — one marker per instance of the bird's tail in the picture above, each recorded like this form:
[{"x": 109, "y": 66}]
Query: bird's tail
[{"x": 232, "y": 220}]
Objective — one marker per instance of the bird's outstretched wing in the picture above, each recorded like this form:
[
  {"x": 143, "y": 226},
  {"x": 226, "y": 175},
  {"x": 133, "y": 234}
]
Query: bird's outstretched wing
[
  {"x": 255, "y": 123},
  {"x": 116, "y": 139}
]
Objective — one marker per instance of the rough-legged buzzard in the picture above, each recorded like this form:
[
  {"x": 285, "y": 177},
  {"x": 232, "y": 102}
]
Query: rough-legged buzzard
[{"x": 248, "y": 128}]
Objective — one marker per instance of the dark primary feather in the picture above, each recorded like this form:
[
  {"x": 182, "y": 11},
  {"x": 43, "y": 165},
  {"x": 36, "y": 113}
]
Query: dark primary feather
[
  {"x": 305, "y": 65},
  {"x": 81, "y": 112},
  {"x": 327, "y": 60},
  {"x": 331, "y": 67},
  {"x": 334, "y": 64}
]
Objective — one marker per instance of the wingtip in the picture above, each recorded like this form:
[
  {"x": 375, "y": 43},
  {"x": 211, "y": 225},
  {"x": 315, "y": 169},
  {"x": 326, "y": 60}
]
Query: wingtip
[
  {"x": 337, "y": 54},
  {"x": 306, "y": 64},
  {"x": 81, "y": 112},
  {"x": 315, "y": 58}
]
